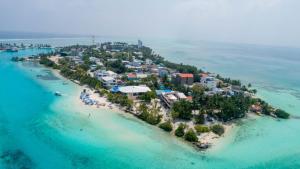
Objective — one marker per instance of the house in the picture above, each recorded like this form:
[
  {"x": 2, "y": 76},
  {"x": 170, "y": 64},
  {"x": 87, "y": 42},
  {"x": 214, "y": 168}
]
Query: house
[
  {"x": 112, "y": 74},
  {"x": 148, "y": 62},
  {"x": 169, "y": 98},
  {"x": 209, "y": 82},
  {"x": 76, "y": 59},
  {"x": 136, "y": 76},
  {"x": 183, "y": 78},
  {"x": 108, "y": 81},
  {"x": 133, "y": 91},
  {"x": 95, "y": 60},
  {"x": 162, "y": 72},
  {"x": 131, "y": 76},
  {"x": 103, "y": 73}
]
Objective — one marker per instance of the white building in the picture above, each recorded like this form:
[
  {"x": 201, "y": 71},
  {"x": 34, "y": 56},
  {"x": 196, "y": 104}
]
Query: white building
[
  {"x": 95, "y": 60},
  {"x": 169, "y": 98},
  {"x": 134, "y": 91},
  {"x": 108, "y": 81},
  {"x": 209, "y": 82},
  {"x": 103, "y": 73}
]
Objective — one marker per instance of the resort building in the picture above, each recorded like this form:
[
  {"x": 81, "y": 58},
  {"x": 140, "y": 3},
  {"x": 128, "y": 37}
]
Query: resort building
[
  {"x": 108, "y": 81},
  {"x": 209, "y": 82},
  {"x": 103, "y": 73},
  {"x": 133, "y": 91},
  {"x": 183, "y": 78},
  {"x": 169, "y": 98}
]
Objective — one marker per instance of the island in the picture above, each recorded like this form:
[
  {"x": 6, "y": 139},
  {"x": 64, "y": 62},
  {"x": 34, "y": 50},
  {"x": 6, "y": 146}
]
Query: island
[{"x": 181, "y": 99}]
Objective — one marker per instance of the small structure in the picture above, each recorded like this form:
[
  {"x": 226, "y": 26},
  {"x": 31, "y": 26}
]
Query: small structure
[
  {"x": 169, "y": 98},
  {"x": 131, "y": 76},
  {"x": 133, "y": 91},
  {"x": 183, "y": 78}
]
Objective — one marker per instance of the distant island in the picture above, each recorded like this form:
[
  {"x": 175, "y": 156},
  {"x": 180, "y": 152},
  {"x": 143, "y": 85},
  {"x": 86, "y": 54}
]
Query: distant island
[{"x": 181, "y": 99}]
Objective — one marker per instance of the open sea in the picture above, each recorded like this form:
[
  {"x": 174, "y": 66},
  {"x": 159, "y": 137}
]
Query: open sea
[{"x": 41, "y": 131}]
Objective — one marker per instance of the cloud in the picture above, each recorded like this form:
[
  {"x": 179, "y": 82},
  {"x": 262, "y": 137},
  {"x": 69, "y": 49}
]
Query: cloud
[{"x": 250, "y": 21}]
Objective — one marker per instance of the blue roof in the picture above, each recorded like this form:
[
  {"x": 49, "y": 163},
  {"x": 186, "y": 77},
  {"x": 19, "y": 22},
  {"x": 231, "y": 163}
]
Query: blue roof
[
  {"x": 115, "y": 89},
  {"x": 159, "y": 92}
]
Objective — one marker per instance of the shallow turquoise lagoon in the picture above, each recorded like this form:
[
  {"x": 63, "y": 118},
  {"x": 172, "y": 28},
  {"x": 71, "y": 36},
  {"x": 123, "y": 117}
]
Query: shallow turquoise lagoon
[{"x": 39, "y": 130}]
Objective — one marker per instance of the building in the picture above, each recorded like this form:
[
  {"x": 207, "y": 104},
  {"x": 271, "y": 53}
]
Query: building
[
  {"x": 76, "y": 59},
  {"x": 95, "y": 60},
  {"x": 133, "y": 91},
  {"x": 140, "y": 44},
  {"x": 103, "y": 73},
  {"x": 183, "y": 78},
  {"x": 209, "y": 82},
  {"x": 169, "y": 98},
  {"x": 131, "y": 76},
  {"x": 162, "y": 72},
  {"x": 108, "y": 81}
]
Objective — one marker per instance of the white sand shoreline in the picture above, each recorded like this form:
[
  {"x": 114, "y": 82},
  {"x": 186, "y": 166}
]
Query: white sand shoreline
[{"x": 207, "y": 138}]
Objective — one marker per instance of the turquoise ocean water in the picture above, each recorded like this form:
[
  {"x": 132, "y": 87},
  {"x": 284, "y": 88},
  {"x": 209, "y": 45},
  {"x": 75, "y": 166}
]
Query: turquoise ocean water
[{"x": 39, "y": 130}]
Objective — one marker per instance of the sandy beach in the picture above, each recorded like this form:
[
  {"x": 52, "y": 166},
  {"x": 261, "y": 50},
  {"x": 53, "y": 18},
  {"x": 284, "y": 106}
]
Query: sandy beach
[{"x": 103, "y": 104}]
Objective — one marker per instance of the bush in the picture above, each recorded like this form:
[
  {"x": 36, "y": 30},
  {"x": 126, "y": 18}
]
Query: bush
[
  {"x": 282, "y": 114},
  {"x": 202, "y": 129},
  {"x": 183, "y": 110},
  {"x": 218, "y": 129},
  {"x": 179, "y": 132},
  {"x": 167, "y": 126},
  {"x": 200, "y": 119},
  {"x": 191, "y": 136}
]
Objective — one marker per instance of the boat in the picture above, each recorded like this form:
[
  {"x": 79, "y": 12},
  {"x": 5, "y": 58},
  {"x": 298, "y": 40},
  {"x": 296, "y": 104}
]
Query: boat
[{"x": 57, "y": 94}]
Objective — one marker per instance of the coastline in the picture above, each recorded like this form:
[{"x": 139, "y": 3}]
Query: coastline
[{"x": 208, "y": 138}]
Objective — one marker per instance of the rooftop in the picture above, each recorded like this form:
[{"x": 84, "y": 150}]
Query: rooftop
[
  {"x": 107, "y": 78},
  {"x": 134, "y": 89},
  {"x": 186, "y": 75}
]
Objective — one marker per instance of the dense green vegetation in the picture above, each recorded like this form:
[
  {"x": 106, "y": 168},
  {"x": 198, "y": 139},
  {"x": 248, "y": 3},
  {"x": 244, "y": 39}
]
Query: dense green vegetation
[
  {"x": 147, "y": 97},
  {"x": 182, "y": 109},
  {"x": 167, "y": 126},
  {"x": 17, "y": 59},
  {"x": 47, "y": 62},
  {"x": 150, "y": 115},
  {"x": 120, "y": 99},
  {"x": 201, "y": 129},
  {"x": 281, "y": 114},
  {"x": 218, "y": 129},
  {"x": 179, "y": 132},
  {"x": 191, "y": 136}
]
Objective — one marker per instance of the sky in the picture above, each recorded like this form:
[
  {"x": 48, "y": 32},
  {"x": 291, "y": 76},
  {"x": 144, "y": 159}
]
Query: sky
[{"x": 270, "y": 22}]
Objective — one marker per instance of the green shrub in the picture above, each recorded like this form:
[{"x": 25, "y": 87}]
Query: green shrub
[
  {"x": 179, "y": 132},
  {"x": 201, "y": 129},
  {"x": 191, "y": 136},
  {"x": 282, "y": 114},
  {"x": 218, "y": 129},
  {"x": 167, "y": 126}
]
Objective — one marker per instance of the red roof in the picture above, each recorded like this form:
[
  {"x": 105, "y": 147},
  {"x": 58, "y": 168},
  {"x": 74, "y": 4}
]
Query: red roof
[
  {"x": 189, "y": 98},
  {"x": 186, "y": 75},
  {"x": 131, "y": 75}
]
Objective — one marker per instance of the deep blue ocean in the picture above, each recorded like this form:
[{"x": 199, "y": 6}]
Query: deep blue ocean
[{"x": 41, "y": 131}]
